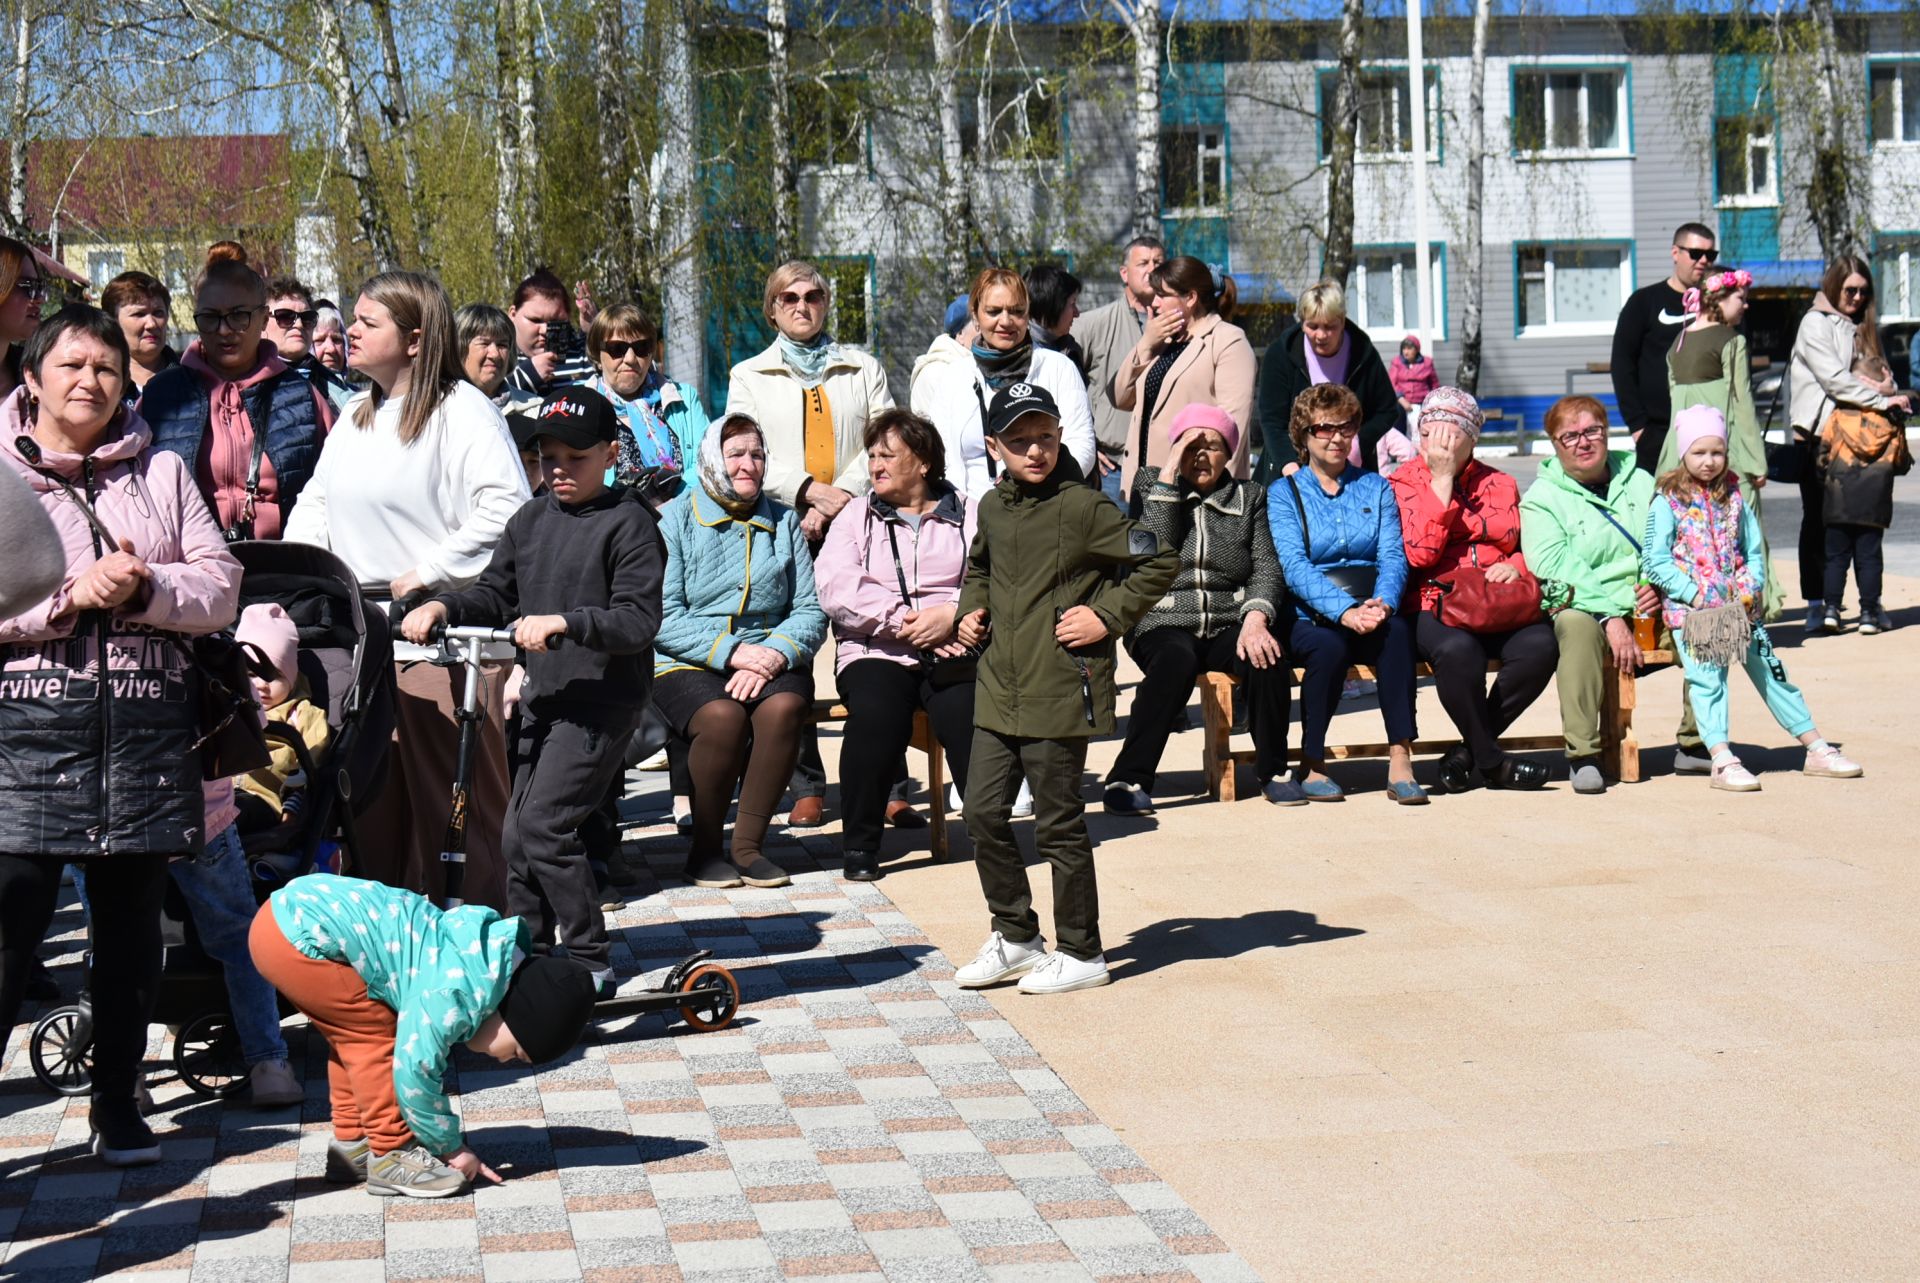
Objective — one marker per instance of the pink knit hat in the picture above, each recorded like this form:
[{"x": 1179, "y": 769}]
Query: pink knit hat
[
  {"x": 1697, "y": 421},
  {"x": 267, "y": 626},
  {"x": 1454, "y": 407},
  {"x": 1198, "y": 414}
]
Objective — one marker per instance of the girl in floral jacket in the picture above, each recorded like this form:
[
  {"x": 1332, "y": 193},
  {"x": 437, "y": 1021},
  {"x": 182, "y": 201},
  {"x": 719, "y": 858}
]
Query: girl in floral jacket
[{"x": 1704, "y": 553}]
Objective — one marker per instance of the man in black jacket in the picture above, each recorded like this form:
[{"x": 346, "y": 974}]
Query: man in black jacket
[
  {"x": 1648, "y": 325},
  {"x": 1321, "y": 343},
  {"x": 582, "y": 564}
]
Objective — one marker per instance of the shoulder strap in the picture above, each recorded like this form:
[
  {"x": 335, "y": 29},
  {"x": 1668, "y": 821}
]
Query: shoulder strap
[
  {"x": 1614, "y": 522},
  {"x": 1299, "y": 506},
  {"x": 980, "y": 399},
  {"x": 899, "y": 570}
]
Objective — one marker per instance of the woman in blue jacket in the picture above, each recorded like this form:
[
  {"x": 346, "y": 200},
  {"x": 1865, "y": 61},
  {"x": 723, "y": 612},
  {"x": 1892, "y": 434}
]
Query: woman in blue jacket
[
  {"x": 1337, "y": 530},
  {"x": 733, "y": 663}
]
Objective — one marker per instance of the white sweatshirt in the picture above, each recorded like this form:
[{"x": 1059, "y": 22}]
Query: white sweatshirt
[
  {"x": 436, "y": 507},
  {"x": 949, "y": 389}
]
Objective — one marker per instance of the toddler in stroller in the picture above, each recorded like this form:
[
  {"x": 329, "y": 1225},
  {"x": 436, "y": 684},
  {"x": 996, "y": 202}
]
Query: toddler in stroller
[{"x": 276, "y": 793}]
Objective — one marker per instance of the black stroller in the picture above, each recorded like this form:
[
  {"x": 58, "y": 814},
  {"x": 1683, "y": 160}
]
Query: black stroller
[{"x": 346, "y": 657}]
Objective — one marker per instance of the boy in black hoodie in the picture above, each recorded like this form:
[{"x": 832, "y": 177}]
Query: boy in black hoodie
[{"x": 578, "y": 571}]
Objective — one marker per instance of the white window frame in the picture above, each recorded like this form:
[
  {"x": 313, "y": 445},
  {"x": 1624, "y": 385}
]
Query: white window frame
[
  {"x": 1902, "y": 253},
  {"x": 1397, "y": 323},
  {"x": 1896, "y": 66},
  {"x": 98, "y": 278},
  {"x": 1768, "y": 198},
  {"x": 1552, "y": 328},
  {"x": 829, "y": 264},
  {"x": 1195, "y": 136},
  {"x": 1396, "y": 75},
  {"x": 1623, "y": 104}
]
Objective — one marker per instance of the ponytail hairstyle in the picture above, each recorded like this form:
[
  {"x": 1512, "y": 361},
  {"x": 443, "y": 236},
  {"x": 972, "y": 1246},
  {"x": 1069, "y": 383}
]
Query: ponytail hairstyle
[
  {"x": 227, "y": 265},
  {"x": 1188, "y": 275},
  {"x": 418, "y": 304}
]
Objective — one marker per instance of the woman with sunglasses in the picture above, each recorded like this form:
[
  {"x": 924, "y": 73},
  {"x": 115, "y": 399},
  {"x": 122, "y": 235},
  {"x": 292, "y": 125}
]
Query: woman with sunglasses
[
  {"x": 1837, "y": 330},
  {"x": 1337, "y": 530},
  {"x": 22, "y": 290},
  {"x": 246, "y": 423},
  {"x": 661, "y": 422}
]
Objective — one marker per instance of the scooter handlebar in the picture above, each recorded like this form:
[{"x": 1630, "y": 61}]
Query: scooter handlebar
[{"x": 449, "y": 633}]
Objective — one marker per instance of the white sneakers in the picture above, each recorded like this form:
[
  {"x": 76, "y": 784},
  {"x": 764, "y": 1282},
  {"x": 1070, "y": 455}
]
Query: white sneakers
[
  {"x": 1825, "y": 760},
  {"x": 1022, "y": 801},
  {"x": 1000, "y": 960},
  {"x": 273, "y": 1085},
  {"x": 1731, "y": 776}
]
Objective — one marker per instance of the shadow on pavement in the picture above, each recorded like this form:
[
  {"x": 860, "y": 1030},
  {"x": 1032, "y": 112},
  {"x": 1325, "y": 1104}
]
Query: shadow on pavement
[{"x": 1190, "y": 939}]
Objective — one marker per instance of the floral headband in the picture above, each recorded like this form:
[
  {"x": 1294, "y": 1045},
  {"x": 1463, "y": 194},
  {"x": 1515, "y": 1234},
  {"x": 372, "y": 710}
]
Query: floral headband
[{"x": 1737, "y": 278}]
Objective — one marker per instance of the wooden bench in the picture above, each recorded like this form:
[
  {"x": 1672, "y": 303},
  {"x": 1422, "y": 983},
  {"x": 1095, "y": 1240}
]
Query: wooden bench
[
  {"x": 827, "y": 710},
  {"x": 1619, "y": 745}
]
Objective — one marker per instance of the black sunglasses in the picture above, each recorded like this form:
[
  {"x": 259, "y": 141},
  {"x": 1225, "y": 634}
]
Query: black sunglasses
[
  {"x": 286, "y": 317},
  {"x": 213, "y": 322},
  {"x": 1699, "y": 255},
  {"x": 33, "y": 288},
  {"x": 618, "y": 348}
]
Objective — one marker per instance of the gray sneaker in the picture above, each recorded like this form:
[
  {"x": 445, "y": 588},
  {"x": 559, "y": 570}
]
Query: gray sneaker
[
  {"x": 413, "y": 1172},
  {"x": 1692, "y": 761},
  {"x": 347, "y": 1161},
  {"x": 1586, "y": 777}
]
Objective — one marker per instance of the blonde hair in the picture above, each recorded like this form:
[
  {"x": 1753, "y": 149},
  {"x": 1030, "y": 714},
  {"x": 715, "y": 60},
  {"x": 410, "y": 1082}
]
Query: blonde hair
[
  {"x": 1678, "y": 483},
  {"x": 416, "y": 302},
  {"x": 1325, "y": 301},
  {"x": 789, "y": 274}
]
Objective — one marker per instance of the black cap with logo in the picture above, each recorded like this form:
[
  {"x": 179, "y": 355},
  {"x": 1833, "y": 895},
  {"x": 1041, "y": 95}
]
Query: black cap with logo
[
  {"x": 576, "y": 416},
  {"x": 1015, "y": 402}
]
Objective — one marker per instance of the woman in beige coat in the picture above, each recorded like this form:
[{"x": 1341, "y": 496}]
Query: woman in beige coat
[{"x": 1190, "y": 351}]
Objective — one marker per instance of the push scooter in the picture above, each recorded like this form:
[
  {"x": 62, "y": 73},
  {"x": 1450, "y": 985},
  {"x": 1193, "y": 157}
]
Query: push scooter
[{"x": 706, "y": 994}]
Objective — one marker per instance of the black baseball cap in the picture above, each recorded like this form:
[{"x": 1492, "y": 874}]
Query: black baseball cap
[
  {"x": 1015, "y": 402},
  {"x": 576, "y": 416},
  {"x": 523, "y": 426}
]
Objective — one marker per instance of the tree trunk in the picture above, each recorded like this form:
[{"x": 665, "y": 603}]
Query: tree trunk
[
  {"x": 19, "y": 120},
  {"x": 526, "y": 103},
  {"x": 1829, "y": 193},
  {"x": 786, "y": 183},
  {"x": 956, "y": 205},
  {"x": 610, "y": 72},
  {"x": 336, "y": 73},
  {"x": 1468, "y": 375},
  {"x": 399, "y": 115},
  {"x": 1143, "y": 25},
  {"x": 679, "y": 107},
  {"x": 506, "y": 126},
  {"x": 1345, "y": 114}
]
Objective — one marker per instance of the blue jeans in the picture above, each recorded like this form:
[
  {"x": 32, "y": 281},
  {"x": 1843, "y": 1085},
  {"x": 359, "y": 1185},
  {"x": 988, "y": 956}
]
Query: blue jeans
[
  {"x": 1110, "y": 487},
  {"x": 219, "y": 894}
]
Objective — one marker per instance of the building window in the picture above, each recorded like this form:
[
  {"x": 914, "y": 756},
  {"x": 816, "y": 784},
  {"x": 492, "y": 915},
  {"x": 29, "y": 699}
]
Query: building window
[
  {"x": 852, "y": 280},
  {"x": 1743, "y": 160},
  {"x": 1570, "y": 113},
  {"x": 1385, "y": 126},
  {"x": 1193, "y": 170},
  {"x": 1897, "y": 263},
  {"x": 1895, "y": 91},
  {"x": 1386, "y": 290},
  {"x": 1022, "y": 118},
  {"x": 103, "y": 265},
  {"x": 829, "y": 127},
  {"x": 1571, "y": 289}
]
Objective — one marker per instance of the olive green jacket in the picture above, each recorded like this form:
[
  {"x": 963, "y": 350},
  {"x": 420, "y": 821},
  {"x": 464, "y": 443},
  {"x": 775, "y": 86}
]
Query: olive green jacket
[{"x": 1039, "y": 550}]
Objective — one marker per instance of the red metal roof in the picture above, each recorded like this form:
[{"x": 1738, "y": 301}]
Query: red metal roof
[{"x": 187, "y": 183}]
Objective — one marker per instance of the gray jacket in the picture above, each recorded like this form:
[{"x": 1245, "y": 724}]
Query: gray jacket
[
  {"x": 1228, "y": 565},
  {"x": 1106, "y": 335},
  {"x": 1820, "y": 375}
]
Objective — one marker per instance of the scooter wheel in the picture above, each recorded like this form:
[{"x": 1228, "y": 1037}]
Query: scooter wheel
[
  {"x": 715, "y": 997},
  {"x": 61, "y": 1061},
  {"x": 207, "y": 1056}
]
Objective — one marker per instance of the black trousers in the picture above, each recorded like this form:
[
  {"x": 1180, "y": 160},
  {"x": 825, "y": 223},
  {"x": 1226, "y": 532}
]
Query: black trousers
[
  {"x": 1813, "y": 521},
  {"x": 125, "y": 891},
  {"x": 1053, "y": 769},
  {"x": 1858, "y": 546},
  {"x": 881, "y": 698},
  {"x": 1646, "y": 451},
  {"x": 1170, "y": 659},
  {"x": 1527, "y": 658},
  {"x": 1326, "y": 651},
  {"x": 561, "y": 770}
]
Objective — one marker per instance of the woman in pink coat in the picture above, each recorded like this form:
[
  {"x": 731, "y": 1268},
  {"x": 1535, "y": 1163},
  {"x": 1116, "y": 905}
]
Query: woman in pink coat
[
  {"x": 889, "y": 578},
  {"x": 98, "y": 761}
]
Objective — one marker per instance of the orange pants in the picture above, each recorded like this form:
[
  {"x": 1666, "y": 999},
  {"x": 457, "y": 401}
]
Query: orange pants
[{"x": 358, "y": 1029}]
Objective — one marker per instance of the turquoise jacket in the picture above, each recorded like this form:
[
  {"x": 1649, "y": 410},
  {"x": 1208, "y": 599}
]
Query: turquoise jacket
[
  {"x": 443, "y": 973},
  {"x": 1568, "y": 533},
  {"x": 732, "y": 580}
]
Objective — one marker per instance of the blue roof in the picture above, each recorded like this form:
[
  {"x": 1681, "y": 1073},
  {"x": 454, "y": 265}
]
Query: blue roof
[{"x": 1786, "y": 273}]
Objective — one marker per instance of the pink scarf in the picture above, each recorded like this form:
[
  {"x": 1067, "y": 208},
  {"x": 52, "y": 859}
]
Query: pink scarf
[{"x": 228, "y": 450}]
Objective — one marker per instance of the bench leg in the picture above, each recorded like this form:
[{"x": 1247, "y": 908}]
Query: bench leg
[
  {"x": 924, "y": 739},
  {"x": 1620, "y": 744},
  {"x": 1216, "y": 716}
]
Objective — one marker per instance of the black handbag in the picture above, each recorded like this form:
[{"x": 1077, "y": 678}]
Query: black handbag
[
  {"x": 1355, "y": 581},
  {"x": 941, "y": 671}
]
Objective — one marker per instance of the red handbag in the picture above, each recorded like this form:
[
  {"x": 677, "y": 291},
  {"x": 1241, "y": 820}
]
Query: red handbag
[{"x": 1471, "y": 601}]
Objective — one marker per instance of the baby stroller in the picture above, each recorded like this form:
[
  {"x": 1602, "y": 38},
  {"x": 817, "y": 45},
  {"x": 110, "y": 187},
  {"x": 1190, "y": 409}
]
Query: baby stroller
[{"x": 346, "y": 658}]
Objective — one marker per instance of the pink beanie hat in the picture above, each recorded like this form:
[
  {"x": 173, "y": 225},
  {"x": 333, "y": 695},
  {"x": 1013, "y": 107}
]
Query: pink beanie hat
[
  {"x": 1697, "y": 421},
  {"x": 1199, "y": 414},
  {"x": 1455, "y": 407},
  {"x": 268, "y": 627}
]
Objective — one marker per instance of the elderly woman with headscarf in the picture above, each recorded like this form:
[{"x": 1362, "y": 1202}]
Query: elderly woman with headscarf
[
  {"x": 733, "y": 661},
  {"x": 1461, "y": 519}
]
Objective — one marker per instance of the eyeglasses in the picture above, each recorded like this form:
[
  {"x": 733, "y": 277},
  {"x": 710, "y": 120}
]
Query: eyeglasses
[
  {"x": 812, "y": 298},
  {"x": 1328, "y": 431},
  {"x": 32, "y": 288},
  {"x": 213, "y": 322},
  {"x": 1595, "y": 433},
  {"x": 286, "y": 318},
  {"x": 1699, "y": 255},
  {"x": 618, "y": 348}
]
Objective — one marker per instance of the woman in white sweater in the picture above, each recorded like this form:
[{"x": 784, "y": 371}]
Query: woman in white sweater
[
  {"x": 952, "y": 384},
  {"x": 413, "y": 489}
]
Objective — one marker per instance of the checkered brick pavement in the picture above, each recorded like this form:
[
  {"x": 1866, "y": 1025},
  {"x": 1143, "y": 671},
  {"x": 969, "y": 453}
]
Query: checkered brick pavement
[{"x": 863, "y": 1119}]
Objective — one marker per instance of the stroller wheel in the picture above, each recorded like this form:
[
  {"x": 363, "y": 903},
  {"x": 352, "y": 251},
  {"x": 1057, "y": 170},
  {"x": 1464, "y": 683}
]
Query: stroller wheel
[
  {"x": 713, "y": 997},
  {"x": 207, "y": 1056},
  {"x": 62, "y": 1056}
]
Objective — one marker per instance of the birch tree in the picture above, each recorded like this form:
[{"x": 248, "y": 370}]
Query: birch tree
[
  {"x": 1142, "y": 20},
  {"x": 399, "y": 116},
  {"x": 529, "y": 152},
  {"x": 1345, "y": 114},
  {"x": 19, "y": 117},
  {"x": 615, "y": 136},
  {"x": 786, "y": 182},
  {"x": 1831, "y": 189},
  {"x": 506, "y": 125},
  {"x": 684, "y": 319},
  {"x": 1468, "y": 375},
  {"x": 956, "y": 196}
]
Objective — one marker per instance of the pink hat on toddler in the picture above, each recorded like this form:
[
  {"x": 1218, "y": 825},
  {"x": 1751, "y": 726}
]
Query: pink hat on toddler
[
  {"x": 1198, "y": 415},
  {"x": 267, "y": 626},
  {"x": 1697, "y": 421}
]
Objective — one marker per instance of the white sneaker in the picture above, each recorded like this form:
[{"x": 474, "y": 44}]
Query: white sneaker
[
  {"x": 1058, "y": 973},
  {"x": 954, "y": 802},
  {"x": 1830, "y": 762},
  {"x": 1000, "y": 959},
  {"x": 1731, "y": 776},
  {"x": 273, "y": 1085},
  {"x": 1022, "y": 802}
]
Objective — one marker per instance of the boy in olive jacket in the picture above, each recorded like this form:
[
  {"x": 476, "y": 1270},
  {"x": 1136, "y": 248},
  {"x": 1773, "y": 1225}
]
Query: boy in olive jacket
[{"x": 1041, "y": 589}]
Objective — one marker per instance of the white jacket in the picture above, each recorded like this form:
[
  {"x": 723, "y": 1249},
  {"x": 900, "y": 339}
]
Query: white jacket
[
  {"x": 762, "y": 386},
  {"x": 949, "y": 389}
]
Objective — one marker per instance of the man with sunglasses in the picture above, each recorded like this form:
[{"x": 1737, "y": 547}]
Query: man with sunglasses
[
  {"x": 1652, "y": 318},
  {"x": 291, "y": 317}
]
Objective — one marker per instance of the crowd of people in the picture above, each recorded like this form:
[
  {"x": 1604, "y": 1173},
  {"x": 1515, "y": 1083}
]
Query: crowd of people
[{"x": 1057, "y": 486}]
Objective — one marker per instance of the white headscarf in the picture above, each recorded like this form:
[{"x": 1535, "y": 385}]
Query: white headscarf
[{"x": 713, "y": 466}]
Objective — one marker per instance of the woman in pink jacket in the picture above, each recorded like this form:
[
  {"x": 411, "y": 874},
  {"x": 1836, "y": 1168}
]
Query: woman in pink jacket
[
  {"x": 97, "y": 762},
  {"x": 889, "y": 578}
]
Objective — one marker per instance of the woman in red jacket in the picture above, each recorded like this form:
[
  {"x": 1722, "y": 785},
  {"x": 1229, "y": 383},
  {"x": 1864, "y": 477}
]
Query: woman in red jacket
[{"x": 1458, "y": 512}]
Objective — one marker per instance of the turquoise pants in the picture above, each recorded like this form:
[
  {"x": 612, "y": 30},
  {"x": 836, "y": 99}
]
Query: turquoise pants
[{"x": 1707, "y": 689}]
